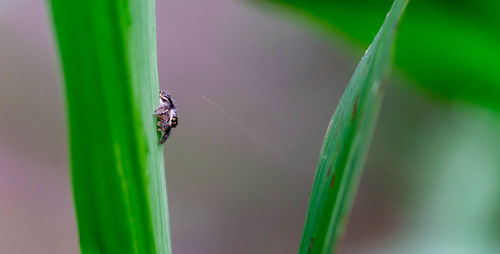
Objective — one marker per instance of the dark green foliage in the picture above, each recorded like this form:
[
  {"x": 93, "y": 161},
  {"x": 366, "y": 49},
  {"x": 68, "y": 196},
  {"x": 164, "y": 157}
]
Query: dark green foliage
[{"x": 450, "y": 48}]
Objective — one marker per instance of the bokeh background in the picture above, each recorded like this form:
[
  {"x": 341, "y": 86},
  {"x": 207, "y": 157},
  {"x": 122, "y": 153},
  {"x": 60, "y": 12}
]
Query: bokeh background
[{"x": 256, "y": 89}]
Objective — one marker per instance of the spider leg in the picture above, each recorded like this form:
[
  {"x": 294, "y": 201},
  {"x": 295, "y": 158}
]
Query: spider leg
[
  {"x": 162, "y": 109},
  {"x": 163, "y": 122},
  {"x": 170, "y": 101},
  {"x": 165, "y": 135}
]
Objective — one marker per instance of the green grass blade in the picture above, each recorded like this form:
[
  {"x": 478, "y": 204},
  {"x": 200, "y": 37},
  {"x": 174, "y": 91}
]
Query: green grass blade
[
  {"x": 346, "y": 142},
  {"x": 108, "y": 52}
]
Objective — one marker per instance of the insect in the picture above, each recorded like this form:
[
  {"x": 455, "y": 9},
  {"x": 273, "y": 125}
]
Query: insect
[{"x": 168, "y": 116}]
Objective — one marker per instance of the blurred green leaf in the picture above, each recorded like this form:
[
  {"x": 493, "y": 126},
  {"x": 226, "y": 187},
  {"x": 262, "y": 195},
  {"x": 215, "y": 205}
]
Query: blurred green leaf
[
  {"x": 346, "y": 142},
  {"x": 449, "y": 184},
  {"x": 450, "y": 48},
  {"x": 108, "y": 52}
]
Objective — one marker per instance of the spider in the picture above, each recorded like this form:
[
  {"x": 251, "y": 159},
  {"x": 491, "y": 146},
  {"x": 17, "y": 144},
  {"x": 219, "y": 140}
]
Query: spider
[{"x": 167, "y": 116}]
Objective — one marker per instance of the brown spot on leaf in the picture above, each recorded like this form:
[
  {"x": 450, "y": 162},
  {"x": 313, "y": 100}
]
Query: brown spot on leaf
[
  {"x": 329, "y": 170},
  {"x": 332, "y": 181},
  {"x": 310, "y": 245}
]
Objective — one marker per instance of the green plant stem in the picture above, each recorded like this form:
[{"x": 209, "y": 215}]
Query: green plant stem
[{"x": 108, "y": 52}]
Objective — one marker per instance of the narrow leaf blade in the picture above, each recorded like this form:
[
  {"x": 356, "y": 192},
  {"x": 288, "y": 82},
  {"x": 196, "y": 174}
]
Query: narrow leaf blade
[
  {"x": 346, "y": 142},
  {"x": 108, "y": 52}
]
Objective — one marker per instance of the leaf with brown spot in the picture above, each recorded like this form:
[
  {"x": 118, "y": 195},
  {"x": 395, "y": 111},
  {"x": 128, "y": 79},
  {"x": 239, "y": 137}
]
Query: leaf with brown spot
[{"x": 346, "y": 142}]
